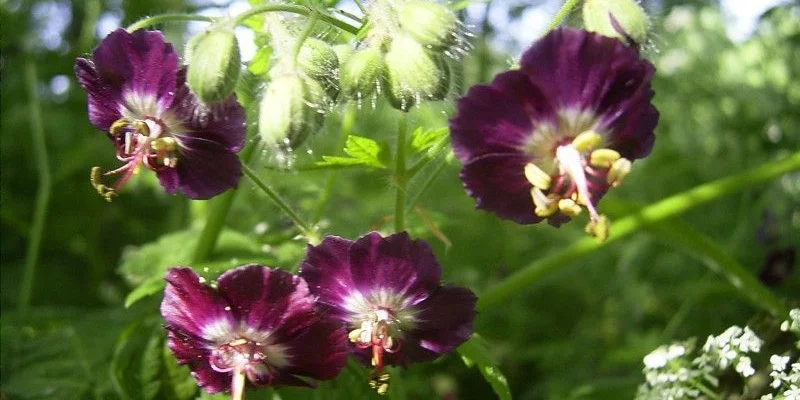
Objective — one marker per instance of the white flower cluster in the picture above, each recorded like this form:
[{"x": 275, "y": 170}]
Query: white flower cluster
[
  {"x": 671, "y": 373},
  {"x": 674, "y": 372},
  {"x": 786, "y": 377},
  {"x": 730, "y": 348}
]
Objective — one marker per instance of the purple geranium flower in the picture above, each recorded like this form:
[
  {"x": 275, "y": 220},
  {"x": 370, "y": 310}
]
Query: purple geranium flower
[
  {"x": 549, "y": 139},
  {"x": 387, "y": 292},
  {"x": 259, "y": 324},
  {"x": 138, "y": 95}
]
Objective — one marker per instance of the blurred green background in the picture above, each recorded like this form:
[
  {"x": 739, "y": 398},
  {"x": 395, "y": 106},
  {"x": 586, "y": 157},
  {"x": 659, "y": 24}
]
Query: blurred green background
[{"x": 578, "y": 333}]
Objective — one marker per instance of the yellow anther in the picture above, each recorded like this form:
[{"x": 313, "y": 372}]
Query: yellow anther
[
  {"x": 108, "y": 193},
  {"x": 545, "y": 205},
  {"x": 165, "y": 144},
  {"x": 354, "y": 335},
  {"x": 603, "y": 158},
  {"x": 587, "y": 140},
  {"x": 618, "y": 171},
  {"x": 599, "y": 228},
  {"x": 537, "y": 177},
  {"x": 238, "y": 342},
  {"x": 569, "y": 207},
  {"x": 118, "y": 125}
]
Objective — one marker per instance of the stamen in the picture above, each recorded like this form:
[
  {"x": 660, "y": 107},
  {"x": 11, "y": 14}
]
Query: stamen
[
  {"x": 545, "y": 205},
  {"x": 599, "y": 228},
  {"x": 603, "y": 158},
  {"x": 569, "y": 207},
  {"x": 586, "y": 141},
  {"x": 537, "y": 177},
  {"x": 107, "y": 192},
  {"x": 618, "y": 171},
  {"x": 380, "y": 382},
  {"x": 570, "y": 162}
]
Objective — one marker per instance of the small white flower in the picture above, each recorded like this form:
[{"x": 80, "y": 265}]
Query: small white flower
[
  {"x": 744, "y": 367},
  {"x": 778, "y": 362}
]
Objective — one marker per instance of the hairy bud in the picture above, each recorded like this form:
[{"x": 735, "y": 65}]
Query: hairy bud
[
  {"x": 291, "y": 109},
  {"x": 431, "y": 24},
  {"x": 318, "y": 59},
  {"x": 360, "y": 72},
  {"x": 214, "y": 65},
  {"x": 411, "y": 73},
  {"x": 623, "y": 19}
]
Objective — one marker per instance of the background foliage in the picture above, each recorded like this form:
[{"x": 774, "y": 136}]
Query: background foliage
[{"x": 578, "y": 333}]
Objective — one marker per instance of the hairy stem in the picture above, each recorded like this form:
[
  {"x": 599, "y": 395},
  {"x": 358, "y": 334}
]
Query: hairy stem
[
  {"x": 306, "y": 228},
  {"x": 158, "y": 19},
  {"x": 562, "y": 14},
  {"x": 400, "y": 175}
]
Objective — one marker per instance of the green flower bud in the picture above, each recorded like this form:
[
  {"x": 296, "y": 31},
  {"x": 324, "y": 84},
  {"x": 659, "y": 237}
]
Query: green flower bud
[
  {"x": 444, "y": 83},
  {"x": 411, "y": 74},
  {"x": 290, "y": 110},
  {"x": 359, "y": 74},
  {"x": 431, "y": 24},
  {"x": 622, "y": 19},
  {"x": 343, "y": 52},
  {"x": 318, "y": 59},
  {"x": 214, "y": 65}
]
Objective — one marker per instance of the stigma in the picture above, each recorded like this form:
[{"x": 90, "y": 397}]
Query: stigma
[
  {"x": 381, "y": 335},
  {"x": 581, "y": 167}
]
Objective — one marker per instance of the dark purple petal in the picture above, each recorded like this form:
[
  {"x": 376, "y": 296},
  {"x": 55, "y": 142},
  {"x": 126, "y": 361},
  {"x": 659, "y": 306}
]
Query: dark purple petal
[
  {"x": 195, "y": 354},
  {"x": 205, "y": 168},
  {"x": 445, "y": 319},
  {"x": 190, "y": 307},
  {"x": 270, "y": 300},
  {"x": 586, "y": 71},
  {"x": 223, "y": 123},
  {"x": 498, "y": 118},
  {"x": 319, "y": 352},
  {"x": 326, "y": 268},
  {"x": 406, "y": 267},
  {"x": 498, "y": 183},
  {"x": 140, "y": 64},
  {"x": 104, "y": 99},
  {"x": 169, "y": 180}
]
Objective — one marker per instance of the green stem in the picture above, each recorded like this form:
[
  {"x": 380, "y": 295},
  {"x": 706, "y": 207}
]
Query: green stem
[
  {"x": 400, "y": 175},
  {"x": 42, "y": 192},
  {"x": 428, "y": 183},
  {"x": 157, "y": 19},
  {"x": 361, "y": 6},
  {"x": 303, "y": 36},
  {"x": 562, "y": 13},
  {"x": 657, "y": 212},
  {"x": 304, "y": 227},
  {"x": 238, "y": 19},
  {"x": 348, "y": 120},
  {"x": 302, "y": 10},
  {"x": 218, "y": 212}
]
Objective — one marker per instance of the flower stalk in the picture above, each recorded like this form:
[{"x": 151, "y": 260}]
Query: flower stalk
[
  {"x": 308, "y": 231},
  {"x": 400, "y": 175},
  {"x": 667, "y": 208},
  {"x": 42, "y": 193}
]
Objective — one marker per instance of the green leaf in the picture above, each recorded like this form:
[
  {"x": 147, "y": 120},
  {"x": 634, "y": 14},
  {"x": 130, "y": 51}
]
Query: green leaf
[
  {"x": 178, "y": 381},
  {"x": 361, "y": 151},
  {"x": 150, "y": 368},
  {"x": 476, "y": 352},
  {"x": 422, "y": 140},
  {"x": 259, "y": 65},
  {"x": 147, "y": 266}
]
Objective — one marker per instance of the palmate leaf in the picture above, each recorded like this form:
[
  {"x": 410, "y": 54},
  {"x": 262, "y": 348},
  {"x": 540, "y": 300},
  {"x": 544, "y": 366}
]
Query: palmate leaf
[
  {"x": 475, "y": 352},
  {"x": 59, "y": 353},
  {"x": 361, "y": 151}
]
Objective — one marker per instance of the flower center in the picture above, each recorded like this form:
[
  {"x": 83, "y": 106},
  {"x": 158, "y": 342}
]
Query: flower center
[
  {"x": 381, "y": 333},
  {"x": 243, "y": 357},
  {"x": 582, "y": 168},
  {"x": 138, "y": 142}
]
